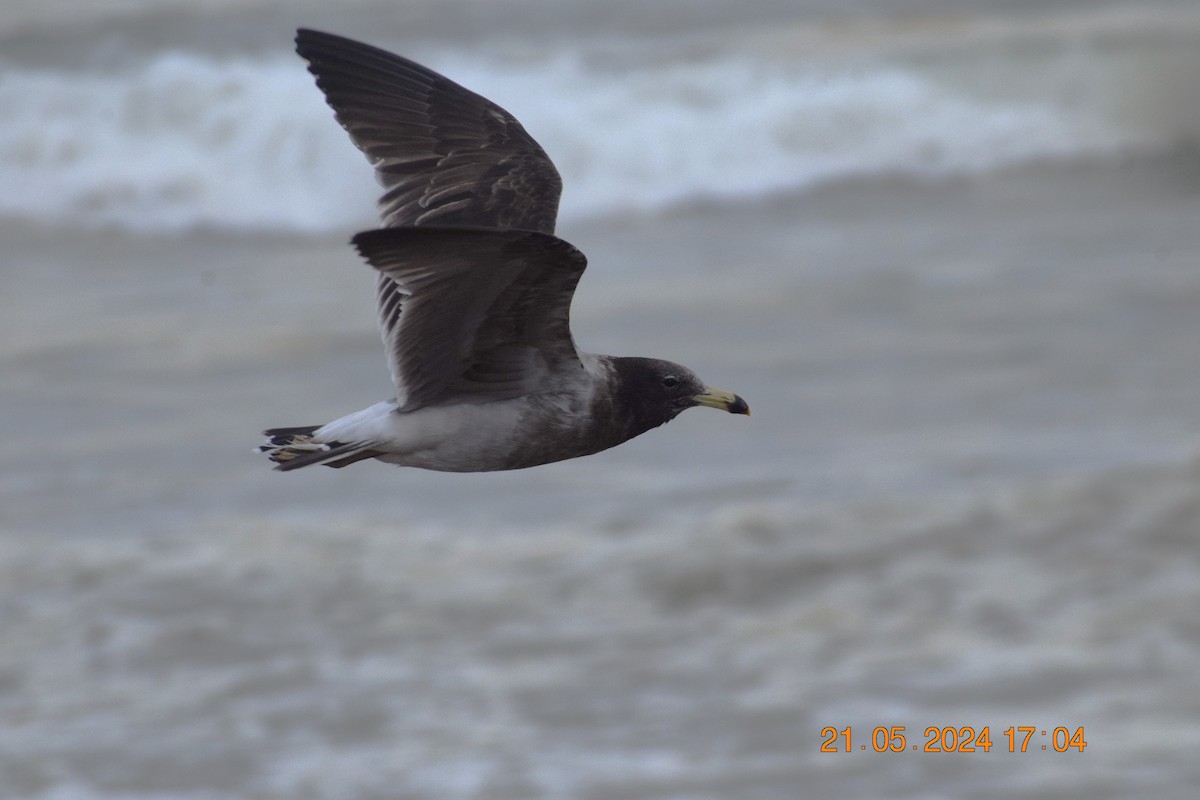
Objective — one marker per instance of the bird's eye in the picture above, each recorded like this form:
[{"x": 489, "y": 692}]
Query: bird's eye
[{"x": 670, "y": 381}]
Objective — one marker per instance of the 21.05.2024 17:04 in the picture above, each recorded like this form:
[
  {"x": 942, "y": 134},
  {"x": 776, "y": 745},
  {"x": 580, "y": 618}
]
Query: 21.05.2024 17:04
[{"x": 949, "y": 739}]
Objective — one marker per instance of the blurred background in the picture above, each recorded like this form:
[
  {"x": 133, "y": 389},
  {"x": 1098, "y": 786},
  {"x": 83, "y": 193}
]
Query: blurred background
[{"x": 948, "y": 251}]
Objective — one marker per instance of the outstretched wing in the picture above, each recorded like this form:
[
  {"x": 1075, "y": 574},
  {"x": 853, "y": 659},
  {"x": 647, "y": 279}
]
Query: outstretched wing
[
  {"x": 444, "y": 155},
  {"x": 486, "y": 312}
]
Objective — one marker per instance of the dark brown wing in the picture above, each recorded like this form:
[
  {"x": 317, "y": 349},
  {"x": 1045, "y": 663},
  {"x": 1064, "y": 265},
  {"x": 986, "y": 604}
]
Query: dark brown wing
[
  {"x": 444, "y": 155},
  {"x": 486, "y": 312}
]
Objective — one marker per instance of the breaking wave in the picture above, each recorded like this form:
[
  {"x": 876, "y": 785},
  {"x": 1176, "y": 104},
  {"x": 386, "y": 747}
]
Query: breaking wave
[{"x": 189, "y": 140}]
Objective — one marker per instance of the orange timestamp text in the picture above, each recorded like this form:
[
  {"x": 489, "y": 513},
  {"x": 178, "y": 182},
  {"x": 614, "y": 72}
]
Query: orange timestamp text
[{"x": 950, "y": 739}]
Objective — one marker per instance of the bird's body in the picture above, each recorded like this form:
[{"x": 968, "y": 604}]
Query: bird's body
[
  {"x": 474, "y": 290},
  {"x": 472, "y": 437}
]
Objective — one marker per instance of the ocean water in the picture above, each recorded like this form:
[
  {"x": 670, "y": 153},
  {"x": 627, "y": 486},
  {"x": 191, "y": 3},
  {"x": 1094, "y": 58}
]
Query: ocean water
[
  {"x": 948, "y": 252},
  {"x": 174, "y": 138}
]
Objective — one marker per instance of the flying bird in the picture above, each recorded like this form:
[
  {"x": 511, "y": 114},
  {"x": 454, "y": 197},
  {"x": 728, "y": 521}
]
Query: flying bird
[{"x": 474, "y": 290}]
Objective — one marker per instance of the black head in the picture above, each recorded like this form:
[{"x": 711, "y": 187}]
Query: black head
[{"x": 651, "y": 392}]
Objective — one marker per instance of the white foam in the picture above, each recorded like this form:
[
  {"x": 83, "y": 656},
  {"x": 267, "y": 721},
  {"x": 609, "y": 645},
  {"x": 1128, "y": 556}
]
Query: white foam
[
  {"x": 186, "y": 142},
  {"x": 194, "y": 141},
  {"x": 734, "y": 128}
]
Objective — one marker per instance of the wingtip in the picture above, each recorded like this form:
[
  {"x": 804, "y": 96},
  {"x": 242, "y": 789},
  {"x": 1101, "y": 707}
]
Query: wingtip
[
  {"x": 302, "y": 35},
  {"x": 362, "y": 240},
  {"x": 309, "y": 41},
  {"x": 310, "y": 33},
  {"x": 302, "y": 39}
]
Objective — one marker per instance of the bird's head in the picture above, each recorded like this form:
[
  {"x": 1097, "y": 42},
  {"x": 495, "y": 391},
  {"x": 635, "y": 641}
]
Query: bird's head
[{"x": 656, "y": 391}]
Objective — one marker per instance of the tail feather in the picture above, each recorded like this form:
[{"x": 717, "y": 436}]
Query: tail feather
[{"x": 293, "y": 448}]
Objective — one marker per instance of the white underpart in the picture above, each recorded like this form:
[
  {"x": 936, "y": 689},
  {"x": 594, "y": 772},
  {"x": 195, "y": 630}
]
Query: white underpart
[
  {"x": 459, "y": 435},
  {"x": 434, "y": 432}
]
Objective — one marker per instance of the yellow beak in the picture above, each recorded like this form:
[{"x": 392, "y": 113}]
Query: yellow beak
[{"x": 719, "y": 398}]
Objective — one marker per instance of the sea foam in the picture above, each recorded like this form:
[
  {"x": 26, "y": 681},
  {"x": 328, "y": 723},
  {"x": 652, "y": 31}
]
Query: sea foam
[{"x": 190, "y": 140}]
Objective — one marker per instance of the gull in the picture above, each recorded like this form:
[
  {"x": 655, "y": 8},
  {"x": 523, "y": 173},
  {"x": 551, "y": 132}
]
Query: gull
[{"x": 474, "y": 290}]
